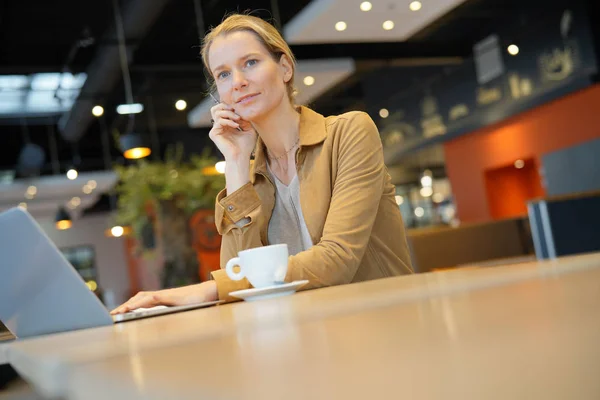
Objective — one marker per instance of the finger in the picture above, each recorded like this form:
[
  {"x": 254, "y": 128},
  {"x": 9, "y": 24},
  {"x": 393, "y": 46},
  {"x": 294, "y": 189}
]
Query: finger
[
  {"x": 218, "y": 107},
  {"x": 135, "y": 304},
  {"x": 226, "y": 114},
  {"x": 245, "y": 125},
  {"x": 125, "y": 307},
  {"x": 118, "y": 310},
  {"x": 226, "y": 122}
]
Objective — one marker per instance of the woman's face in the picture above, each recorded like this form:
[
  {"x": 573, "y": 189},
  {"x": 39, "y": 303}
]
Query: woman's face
[{"x": 247, "y": 77}]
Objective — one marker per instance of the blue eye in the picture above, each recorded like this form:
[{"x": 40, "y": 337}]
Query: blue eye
[
  {"x": 251, "y": 62},
  {"x": 222, "y": 75}
]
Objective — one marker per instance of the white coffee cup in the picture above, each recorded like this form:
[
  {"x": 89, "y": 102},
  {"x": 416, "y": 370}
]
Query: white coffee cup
[{"x": 262, "y": 266}]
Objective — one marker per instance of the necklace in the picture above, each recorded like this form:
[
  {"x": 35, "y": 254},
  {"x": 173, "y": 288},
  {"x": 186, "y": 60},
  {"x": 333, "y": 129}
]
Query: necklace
[{"x": 284, "y": 154}]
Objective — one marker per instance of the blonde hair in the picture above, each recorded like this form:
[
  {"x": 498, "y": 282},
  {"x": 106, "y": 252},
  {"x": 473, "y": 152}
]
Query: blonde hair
[{"x": 266, "y": 33}]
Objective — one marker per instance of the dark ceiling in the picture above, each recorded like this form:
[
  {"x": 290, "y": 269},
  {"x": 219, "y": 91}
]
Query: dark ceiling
[{"x": 42, "y": 36}]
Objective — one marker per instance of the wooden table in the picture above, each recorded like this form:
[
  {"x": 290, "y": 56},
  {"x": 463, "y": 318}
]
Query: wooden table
[{"x": 526, "y": 331}]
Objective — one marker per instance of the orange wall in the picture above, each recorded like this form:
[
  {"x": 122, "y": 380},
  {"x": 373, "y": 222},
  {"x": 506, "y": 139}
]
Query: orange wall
[
  {"x": 565, "y": 122},
  {"x": 509, "y": 189}
]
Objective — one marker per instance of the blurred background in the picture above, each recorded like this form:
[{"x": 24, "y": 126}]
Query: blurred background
[{"x": 484, "y": 107}]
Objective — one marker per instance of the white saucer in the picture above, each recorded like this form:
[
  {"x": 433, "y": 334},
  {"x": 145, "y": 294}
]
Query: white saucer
[{"x": 269, "y": 292}]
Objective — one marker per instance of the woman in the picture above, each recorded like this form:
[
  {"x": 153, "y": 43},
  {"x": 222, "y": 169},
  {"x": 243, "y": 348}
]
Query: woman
[{"x": 318, "y": 184}]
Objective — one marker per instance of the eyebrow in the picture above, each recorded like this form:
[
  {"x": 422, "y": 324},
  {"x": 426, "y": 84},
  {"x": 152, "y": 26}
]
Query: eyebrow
[{"x": 240, "y": 59}]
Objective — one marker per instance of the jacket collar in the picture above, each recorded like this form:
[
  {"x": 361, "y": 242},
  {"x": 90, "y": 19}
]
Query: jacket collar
[{"x": 312, "y": 132}]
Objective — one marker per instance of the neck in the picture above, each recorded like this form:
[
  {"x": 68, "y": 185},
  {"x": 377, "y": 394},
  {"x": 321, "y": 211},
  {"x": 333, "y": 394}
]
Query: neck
[{"x": 279, "y": 130}]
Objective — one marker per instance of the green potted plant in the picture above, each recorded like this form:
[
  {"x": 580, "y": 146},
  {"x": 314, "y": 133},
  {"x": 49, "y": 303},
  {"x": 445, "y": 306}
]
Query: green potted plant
[{"x": 161, "y": 196}]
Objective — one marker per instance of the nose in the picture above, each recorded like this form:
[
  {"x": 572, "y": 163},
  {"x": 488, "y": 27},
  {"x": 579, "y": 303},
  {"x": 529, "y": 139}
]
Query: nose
[{"x": 239, "y": 80}]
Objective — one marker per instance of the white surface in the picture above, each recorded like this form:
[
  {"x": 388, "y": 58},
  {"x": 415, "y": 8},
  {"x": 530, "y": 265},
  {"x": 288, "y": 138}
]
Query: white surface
[
  {"x": 3, "y": 353},
  {"x": 316, "y": 22},
  {"x": 327, "y": 74},
  {"x": 269, "y": 292}
]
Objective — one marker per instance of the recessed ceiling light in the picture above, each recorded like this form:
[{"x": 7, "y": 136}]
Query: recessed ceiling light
[
  {"x": 519, "y": 164},
  {"x": 513, "y": 49},
  {"x": 384, "y": 113},
  {"x": 419, "y": 212},
  {"x": 309, "y": 80},
  {"x": 426, "y": 191},
  {"x": 72, "y": 174},
  {"x": 415, "y": 6},
  {"x": 388, "y": 25},
  {"x": 117, "y": 231},
  {"x": 181, "y": 105},
  {"x": 366, "y": 6},
  {"x": 340, "y": 26},
  {"x": 438, "y": 197},
  {"x": 98, "y": 111}
]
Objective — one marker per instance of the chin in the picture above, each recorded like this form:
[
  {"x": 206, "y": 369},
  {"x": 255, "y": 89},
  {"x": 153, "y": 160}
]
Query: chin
[{"x": 252, "y": 112}]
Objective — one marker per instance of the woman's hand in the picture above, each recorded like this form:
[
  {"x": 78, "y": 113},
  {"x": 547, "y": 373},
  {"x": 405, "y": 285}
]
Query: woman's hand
[
  {"x": 234, "y": 144},
  {"x": 193, "y": 294}
]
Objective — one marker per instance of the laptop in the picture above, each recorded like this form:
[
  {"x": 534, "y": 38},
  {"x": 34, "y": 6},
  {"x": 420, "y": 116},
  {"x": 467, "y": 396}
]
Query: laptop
[{"x": 41, "y": 292}]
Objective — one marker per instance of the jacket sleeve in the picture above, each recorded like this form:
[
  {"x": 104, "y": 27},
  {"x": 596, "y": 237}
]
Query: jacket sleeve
[
  {"x": 231, "y": 211},
  {"x": 358, "y": 186}
]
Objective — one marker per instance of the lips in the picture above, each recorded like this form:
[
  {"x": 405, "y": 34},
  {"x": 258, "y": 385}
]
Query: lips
[{"x": 246, "y": 98}]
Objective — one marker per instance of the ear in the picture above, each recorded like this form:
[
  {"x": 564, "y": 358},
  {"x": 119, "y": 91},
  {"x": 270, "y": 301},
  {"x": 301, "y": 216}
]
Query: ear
[{"x": 286, "y": 66}]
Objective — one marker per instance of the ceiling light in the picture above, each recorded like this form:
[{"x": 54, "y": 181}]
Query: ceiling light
[
  {"x": 340, "y": 26},
  {"x": 519, "y": 164},
  {"x": 86, "y": 189},
  {"x": 388, "y": 25},
  {"x": 399, "y": 200},
  {"x": 45, "y": 81},
  {"x": 92, "y": 183},
  {"x": 92, "y": 285},
  {"x": 134, "y": 147},
  {"x": 513, "y": 49},
  {"x": 220, "y": 167},
  {"x": 31, "y": 192},
  {"x": 72, "y": 174},
  {"x": 426, "y": 191},
  {"x": 366, "y": 6},
  {"x": 419, "y": 212},
  {"x": 181, "y": 105},
  {"x": 438, "y": 197},
  {"x": 23, "y": 206},
  {"x": 384, "y": 113},
  {"x": 134, "y": 108},
  {"x": 415, "y": 6},
  {"x": 98, "y": 111},
  {"x": 117, "y": 231},
  {"x": 75, "y": 201},
  {"x": 63, "y": 220},
  {"x": 14, "y": 82},
  {"x": 426, "y": 181},
  {"x": 70, "y": 81},
  {"x": 309, "y": 80}
]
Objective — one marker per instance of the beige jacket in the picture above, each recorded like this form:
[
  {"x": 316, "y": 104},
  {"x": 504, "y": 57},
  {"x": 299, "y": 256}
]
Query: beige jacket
[{"x": 347, "y": 199}]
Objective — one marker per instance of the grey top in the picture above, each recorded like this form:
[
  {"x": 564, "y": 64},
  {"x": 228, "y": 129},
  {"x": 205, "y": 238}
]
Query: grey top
[{"x": 287, "y": 222}]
